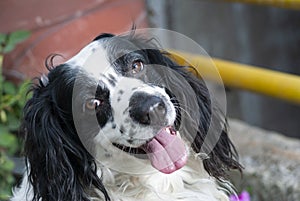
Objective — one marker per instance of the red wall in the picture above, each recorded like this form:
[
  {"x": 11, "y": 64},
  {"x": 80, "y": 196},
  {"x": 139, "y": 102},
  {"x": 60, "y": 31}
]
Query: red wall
[{"x": 62, "y": 27}]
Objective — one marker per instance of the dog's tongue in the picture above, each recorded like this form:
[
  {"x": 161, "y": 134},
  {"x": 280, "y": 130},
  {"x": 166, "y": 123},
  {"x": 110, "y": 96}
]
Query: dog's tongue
[{"x": 166, "y": 151}]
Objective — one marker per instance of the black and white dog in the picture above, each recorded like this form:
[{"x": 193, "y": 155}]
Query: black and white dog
[{"x": 122, "y": 121}]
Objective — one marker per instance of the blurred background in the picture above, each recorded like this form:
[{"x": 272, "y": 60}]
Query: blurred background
[
  {"x": 259, "y": 33},
  {"x": 264, "y": 36}
]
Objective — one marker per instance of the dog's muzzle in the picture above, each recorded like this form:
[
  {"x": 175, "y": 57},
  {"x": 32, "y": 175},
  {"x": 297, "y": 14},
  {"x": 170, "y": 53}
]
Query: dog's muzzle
[{"x": 166, "y": 150}]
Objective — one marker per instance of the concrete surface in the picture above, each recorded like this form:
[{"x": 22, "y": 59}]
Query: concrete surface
[{"x": 271, "y": 161}]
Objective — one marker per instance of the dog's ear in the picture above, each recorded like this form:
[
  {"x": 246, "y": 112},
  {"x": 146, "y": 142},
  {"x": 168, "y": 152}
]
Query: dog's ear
[
  {"x": 222, "y": 158},
  {"x": 59, "y": 166},
  {"x": 212, "y": 140},
  {"x": 213, "y": 143}
]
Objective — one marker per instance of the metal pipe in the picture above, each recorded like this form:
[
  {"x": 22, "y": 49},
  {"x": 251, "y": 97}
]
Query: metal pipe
[
  {"x": 291, "y": 4},
  {"x": 268, "y": 82}
]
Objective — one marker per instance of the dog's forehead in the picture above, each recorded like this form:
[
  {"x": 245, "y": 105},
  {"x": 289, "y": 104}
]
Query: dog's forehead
[
  {"x": 93, "y": 59},
  {"x": 87, "y": 53},
  {"x": 108, "y": 48},
  {"x": 97, "y": 57}
]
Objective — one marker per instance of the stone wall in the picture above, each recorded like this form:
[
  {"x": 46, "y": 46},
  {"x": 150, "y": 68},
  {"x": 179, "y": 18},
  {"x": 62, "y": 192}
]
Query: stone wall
[{"x": 271, "y": 161}]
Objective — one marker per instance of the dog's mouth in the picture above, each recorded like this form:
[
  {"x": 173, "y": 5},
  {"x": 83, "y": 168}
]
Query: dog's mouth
[{"x": 165, "y": 150}]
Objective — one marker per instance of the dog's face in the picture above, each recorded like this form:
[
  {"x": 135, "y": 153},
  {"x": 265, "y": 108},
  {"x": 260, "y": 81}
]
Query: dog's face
[
  {"x": 119, "y": 101},
  {"x": 121, "y": 98}
]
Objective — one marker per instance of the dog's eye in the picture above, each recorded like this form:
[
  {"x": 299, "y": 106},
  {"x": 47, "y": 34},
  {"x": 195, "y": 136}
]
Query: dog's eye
[
  {"x": 93, "y": 103},
  {"x": 137, "y": 66}
]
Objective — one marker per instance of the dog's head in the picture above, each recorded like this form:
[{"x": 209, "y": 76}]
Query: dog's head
[{"x": 119, "y": 97}]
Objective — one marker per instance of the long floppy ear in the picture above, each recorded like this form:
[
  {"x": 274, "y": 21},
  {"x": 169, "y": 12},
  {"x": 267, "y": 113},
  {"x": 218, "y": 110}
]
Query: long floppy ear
[
  {"x": 212, "y": 136},
  {"x": 215, "y": 143},
  {"x": 59, "y": 166}
]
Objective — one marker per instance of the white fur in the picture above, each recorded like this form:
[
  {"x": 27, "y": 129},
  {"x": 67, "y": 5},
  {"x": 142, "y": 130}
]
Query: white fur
[
  {"x": 191, "y": 183},
  {"x": 24, "y": 192},
  {"x": 186, "y": 184}
]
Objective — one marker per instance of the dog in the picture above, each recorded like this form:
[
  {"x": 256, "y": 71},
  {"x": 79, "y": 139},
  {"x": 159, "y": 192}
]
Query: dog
[{"x": 122, "y": 121}]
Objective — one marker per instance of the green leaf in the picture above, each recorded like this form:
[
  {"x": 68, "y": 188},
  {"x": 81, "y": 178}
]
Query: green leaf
[
  {"x": 23, "y": 93},
  {"x": 13, "y": 122},
  {"x": 1, "y": 76},
  {"x": 3, "y": 129},
  {"x": 9, "y": 88},
  {"x": 8, "y": 48},
  {"x": 8, "y": 100},
  {"x": 13, "y": 39},
  {"x": 7, "y": 165},
  {"x": 23, "y": 89},
  {"x": 2, "y": 38},
  {"x": 18, "y": 36},
  {"x": 3, "y": 116},
  {"x": 4, "y": 195},
  {"x": 8, "y": 140},
  {"x": 24, "y": 86}
]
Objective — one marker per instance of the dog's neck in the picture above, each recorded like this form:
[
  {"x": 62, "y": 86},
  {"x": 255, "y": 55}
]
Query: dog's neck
[{"x": 189, "y": 183}]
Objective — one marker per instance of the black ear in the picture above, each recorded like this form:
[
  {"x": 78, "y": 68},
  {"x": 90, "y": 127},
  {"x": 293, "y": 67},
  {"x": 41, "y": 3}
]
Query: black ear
[
  {"x": 220, "y": 152},
  {"x": 59, "y": 166},
  {"x": 222, "y": 158}
]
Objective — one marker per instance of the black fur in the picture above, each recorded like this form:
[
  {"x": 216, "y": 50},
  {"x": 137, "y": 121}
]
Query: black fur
[{"x": 60, "y": 167}]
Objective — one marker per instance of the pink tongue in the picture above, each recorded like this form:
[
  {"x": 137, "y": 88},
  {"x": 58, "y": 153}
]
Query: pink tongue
[{"x": 166, "y": 152}]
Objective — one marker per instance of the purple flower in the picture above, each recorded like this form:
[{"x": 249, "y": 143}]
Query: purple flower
[{"x": 244, "y": 196}]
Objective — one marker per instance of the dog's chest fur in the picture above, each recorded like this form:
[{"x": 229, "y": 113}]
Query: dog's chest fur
[{"x": 185, "y": 184}]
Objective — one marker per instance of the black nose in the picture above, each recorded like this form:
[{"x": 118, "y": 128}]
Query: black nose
[{"x": 147, "y": 109}]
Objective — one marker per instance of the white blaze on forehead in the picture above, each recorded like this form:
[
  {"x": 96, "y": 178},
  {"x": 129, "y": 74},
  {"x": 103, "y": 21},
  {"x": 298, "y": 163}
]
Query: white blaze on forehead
[
  {"x": 93, "y": 58},
  {"x": 80, "y": 58},
  {"x": 97, "y": 63}
]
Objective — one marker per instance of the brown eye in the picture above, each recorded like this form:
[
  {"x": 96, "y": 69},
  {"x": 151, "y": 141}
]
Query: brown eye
[
  {"x": 137, "y": 66},
  {"x": 92, "y": 104}
]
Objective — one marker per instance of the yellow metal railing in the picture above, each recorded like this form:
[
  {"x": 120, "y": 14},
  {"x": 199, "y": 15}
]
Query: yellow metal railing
[
  {"x": 291, "y": 4},
  {"x": 268, "y": 82}
]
